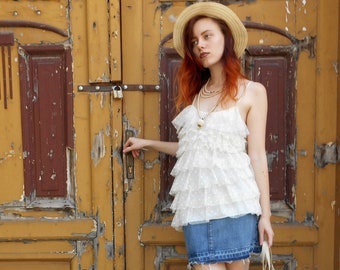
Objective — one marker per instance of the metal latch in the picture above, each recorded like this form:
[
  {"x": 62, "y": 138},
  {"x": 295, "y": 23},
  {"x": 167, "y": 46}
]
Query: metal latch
[
  {"x": 130, "y": 164},
  {"x": 117, "y": 90},
  {"x": 326, "y": 154}
]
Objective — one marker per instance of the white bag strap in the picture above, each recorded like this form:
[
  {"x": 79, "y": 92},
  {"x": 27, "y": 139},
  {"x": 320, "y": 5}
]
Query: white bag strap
[{"x": 266, "y": 256}]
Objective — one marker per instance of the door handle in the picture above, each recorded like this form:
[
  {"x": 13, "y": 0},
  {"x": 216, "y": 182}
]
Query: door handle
[{"x": 129, "y": 159}]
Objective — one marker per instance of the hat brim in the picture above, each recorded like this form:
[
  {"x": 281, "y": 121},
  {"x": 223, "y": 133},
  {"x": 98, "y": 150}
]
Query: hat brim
[{"x": 213, "y": 10}]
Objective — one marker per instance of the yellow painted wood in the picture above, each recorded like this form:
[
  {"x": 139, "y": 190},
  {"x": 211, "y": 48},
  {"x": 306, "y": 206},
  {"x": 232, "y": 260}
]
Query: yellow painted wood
[
  {"x": 306, "y": 24},
  {"x": 275, "y": 13},
  {"x": 101, "y": 169},
  {"x": 150, "y": 43},
  {"x": 151, "y": 130},
  {"x": 118, "y": 185},
  {"x": 132, "y": 45},
  {"x": 115, "y": 40},
  {"x": 96, "y": 52},
  {"x": 34, "y": 265},
  {"x": 133, "y": 104},
  {"x": 305, "y": 113},
  {"x": 15, "y": 230},
  {"x": 81, "y": 108},
  {"x": 53, "y": 13},
  {"x": 11, "y": 163},
  {"x": 326, "y": 129},
  {"x": 97, "y": 41},
  {"x": 38, "y": 250},
  {"x": 21, "y": 230},
  {"x": 285, "y": 235}
]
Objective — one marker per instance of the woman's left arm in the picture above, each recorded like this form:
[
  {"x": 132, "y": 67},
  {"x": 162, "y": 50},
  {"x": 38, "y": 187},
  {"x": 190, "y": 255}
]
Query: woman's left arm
[{"x": 256, "y": 123}]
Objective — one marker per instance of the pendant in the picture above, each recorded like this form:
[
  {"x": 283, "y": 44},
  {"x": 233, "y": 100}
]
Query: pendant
[{"x": 200, "y": 123}]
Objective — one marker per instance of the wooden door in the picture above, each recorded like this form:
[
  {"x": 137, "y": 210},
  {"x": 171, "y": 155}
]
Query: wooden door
[
  {"x": 285, "y": 51},
  {"x": 60, "y": 138}
]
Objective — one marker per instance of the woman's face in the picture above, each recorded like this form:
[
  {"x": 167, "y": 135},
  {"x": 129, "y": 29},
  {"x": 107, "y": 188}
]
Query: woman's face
[{"x": 207, "y": 42}]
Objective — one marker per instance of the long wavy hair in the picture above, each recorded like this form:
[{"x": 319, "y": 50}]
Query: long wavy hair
[{"x": 191, "y": 75}]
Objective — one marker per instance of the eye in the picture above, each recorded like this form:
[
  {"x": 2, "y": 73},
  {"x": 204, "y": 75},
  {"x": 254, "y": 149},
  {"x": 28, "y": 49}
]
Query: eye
[
  {"x": 194, "y": 43},
  {"x": 207, "y": 36}
]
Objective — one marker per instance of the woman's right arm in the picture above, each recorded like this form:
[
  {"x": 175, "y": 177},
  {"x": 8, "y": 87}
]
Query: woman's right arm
[{"x": 134, "y": 145}]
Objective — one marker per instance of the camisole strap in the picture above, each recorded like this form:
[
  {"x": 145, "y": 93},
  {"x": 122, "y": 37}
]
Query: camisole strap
[{"x": 244, "y": 89}]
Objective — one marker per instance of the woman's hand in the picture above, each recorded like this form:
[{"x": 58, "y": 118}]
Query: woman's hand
[
  {"x": 134, "y": 145},
  {"x": 265, "y": 230}
]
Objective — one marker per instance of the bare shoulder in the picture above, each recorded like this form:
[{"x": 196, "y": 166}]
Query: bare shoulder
[
  {"x": 255, "y": 94},
  {"x": 256, "y": 90},
  {"x": 254, "y": 97}
]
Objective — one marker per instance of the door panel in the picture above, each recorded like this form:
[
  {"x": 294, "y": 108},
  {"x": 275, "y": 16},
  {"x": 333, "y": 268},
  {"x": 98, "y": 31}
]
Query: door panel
[
  {"x": 60, "y": 147},
  {"x": 274, "y": 69},
  {"x": 47, "y": 113},
  {"x": 281, "y": 55}
]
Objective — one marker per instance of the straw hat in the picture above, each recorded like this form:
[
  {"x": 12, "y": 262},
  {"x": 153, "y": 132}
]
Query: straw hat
[{"x": 213, "y": 10}]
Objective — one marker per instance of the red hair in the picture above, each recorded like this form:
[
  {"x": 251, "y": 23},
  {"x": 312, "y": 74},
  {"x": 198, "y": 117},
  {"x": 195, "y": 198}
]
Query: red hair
[{"x": 191, "y": 75}]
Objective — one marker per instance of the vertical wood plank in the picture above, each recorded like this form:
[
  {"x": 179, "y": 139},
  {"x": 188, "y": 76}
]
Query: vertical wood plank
[
  {"x": 133, "y": 188},
  {"x": 97, "y": 41},
  {"x": 115, "y": 40},
  {"x": 118, "y": 184},
  {"x": 132, "y": 47},
  {"x": 81, "y": 107},
  {"x": 102, "y": 208},
  {"x": 326, "y": 121}
]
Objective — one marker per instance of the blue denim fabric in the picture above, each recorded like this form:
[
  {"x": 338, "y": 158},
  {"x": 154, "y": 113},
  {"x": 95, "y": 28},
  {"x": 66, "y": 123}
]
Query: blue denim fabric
[{"x": 222, "y": 240}]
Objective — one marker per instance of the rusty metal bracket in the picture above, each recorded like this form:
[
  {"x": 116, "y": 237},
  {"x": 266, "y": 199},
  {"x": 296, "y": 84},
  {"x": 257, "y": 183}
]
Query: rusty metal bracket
[
  {"x": 308, "y": 44},
  {"x": 326, "y": 154}
]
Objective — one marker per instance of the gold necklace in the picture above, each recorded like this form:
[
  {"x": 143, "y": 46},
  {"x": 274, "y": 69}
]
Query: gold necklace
[{"x": 200, "y": 122}]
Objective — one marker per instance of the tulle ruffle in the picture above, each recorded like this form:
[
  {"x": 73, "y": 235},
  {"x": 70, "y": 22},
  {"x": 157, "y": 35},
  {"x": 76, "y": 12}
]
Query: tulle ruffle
[{"x": 213, "y": 174}]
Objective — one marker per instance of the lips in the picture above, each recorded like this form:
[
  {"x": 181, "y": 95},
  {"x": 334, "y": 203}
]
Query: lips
[{"x": 203, "y": 55}]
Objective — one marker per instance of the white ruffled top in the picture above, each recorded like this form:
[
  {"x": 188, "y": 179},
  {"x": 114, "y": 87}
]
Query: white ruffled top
[{"x": 213, "y": 174}]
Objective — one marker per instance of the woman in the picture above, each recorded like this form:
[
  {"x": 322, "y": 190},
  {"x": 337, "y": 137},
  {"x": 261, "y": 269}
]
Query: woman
[{"x": 221, "y": 187}]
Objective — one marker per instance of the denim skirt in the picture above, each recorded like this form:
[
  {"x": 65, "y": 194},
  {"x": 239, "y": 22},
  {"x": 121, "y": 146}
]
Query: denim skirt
[{"x": 222, "y": 240}]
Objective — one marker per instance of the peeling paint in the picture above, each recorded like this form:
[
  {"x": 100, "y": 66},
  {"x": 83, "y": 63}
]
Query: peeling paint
[
  {"x": 148, "y": 165},
  {"x": 108, "y": 130},
  {"x": 164, "y": 252},
  {"x": 102, "y": 100},
  {"x": 287, "y": 7},
  {"x": 333, "y": 203},
  {"x": 7, "y": 155},
  {"x": 109, "y": 250},
  {"x": 336, "y": 67},
  {"x": 98, "y": 150},
  {"x": 287, "y": 14}
]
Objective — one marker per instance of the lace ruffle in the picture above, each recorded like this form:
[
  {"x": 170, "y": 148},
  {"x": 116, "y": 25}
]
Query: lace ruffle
[{"x": 213, "y": 174}]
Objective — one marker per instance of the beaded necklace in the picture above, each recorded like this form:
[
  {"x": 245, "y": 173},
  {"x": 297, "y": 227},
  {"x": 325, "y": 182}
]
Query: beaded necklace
[{"x": 200, "y": 122}]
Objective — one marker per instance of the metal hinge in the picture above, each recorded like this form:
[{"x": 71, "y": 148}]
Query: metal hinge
[{"x": 326, "y": 154}]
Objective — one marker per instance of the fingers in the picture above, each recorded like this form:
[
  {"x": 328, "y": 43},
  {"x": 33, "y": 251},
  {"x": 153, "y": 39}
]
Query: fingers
[
  {"x": 270, "y": 237},
  {"x": 135, "y": 153},
  {"x": 129, "y": 145},
  {"x": 261, "y": 237},
  {"x": 133, "y": 145},
  {"x": 265, "y": 232}
]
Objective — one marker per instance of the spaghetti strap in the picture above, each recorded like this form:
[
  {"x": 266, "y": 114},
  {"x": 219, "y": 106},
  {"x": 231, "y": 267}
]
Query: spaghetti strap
[{"x": 244, "y": 89}]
